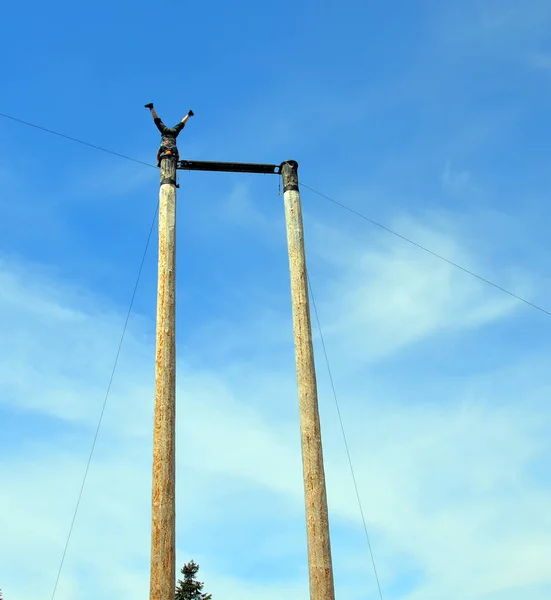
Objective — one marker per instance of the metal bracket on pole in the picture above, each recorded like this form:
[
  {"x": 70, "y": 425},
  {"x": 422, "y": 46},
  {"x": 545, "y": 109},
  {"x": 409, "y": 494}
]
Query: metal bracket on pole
[
  {"x": 169, "y": 181},
  {"x": 228, "y": 167}
]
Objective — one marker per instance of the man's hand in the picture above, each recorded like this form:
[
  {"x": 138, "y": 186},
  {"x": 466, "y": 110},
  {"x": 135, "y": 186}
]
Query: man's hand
[{"x": 191, "y": 113}]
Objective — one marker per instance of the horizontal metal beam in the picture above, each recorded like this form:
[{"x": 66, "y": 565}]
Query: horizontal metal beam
[{"x": 228, "y": 167}]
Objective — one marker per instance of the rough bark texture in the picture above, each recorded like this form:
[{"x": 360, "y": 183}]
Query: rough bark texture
[
  {"x": 317, "y": 520},
  {"x": 163, "y": 559}
]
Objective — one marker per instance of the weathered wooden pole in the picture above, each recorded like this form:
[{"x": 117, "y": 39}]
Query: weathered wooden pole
[
  {"x": 163, "y": 535},
  {"x": 317, "y": 518}
]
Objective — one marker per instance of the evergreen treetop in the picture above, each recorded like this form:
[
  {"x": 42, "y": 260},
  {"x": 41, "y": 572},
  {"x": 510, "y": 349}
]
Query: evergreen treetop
[{"x": 189, "y": 588}]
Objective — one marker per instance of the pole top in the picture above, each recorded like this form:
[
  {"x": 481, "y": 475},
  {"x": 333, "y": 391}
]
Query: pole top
[
  {"x": 292, "y": 163},
  {"x": 289, "y": 173}
]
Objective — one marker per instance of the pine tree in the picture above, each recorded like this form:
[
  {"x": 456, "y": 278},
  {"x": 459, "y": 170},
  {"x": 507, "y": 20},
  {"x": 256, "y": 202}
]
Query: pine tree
[{"x": 189, "y": 588}]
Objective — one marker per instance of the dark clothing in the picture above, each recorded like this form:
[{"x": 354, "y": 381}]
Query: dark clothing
[{"x": 168, "y": 134}]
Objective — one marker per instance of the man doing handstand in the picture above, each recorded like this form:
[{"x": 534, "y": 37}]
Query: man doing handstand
[{"x": 168, "y": 134}]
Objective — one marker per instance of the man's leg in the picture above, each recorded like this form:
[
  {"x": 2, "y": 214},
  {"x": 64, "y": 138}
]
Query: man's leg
[
  {"x": 153, "y": 111},
  {"x": 183, "y": 122},
  {"x": 158, "y": 122}
]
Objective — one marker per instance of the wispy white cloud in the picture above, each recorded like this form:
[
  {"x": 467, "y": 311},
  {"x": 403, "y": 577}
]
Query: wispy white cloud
[
  {"x": 455, "y": 181},
  {"x": 400, "y": 294},
  {"x": 241, "y": 210}
]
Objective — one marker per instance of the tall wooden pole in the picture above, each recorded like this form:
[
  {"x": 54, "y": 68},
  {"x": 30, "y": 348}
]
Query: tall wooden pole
[
  {"x": 317, "y": 519},
  {"x": 163, "y": 535}
]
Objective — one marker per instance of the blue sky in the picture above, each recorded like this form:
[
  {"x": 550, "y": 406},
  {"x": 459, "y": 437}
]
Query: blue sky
[{"x": 429, "y": 117}]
